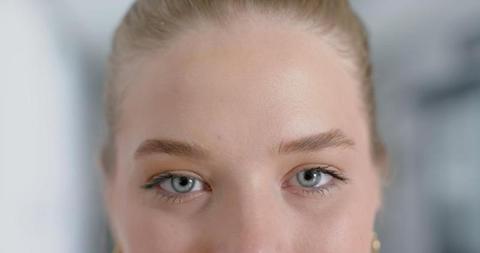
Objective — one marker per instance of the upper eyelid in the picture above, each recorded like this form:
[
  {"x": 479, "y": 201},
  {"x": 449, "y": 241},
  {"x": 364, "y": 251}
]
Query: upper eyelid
[
  {"x": 176, "y": 173},
  {"x": 153, "y": 182},
  {"x": 166, "y": 176},
  {"x": 335, "y": 172},
  {"x": 299, "y": 168}
]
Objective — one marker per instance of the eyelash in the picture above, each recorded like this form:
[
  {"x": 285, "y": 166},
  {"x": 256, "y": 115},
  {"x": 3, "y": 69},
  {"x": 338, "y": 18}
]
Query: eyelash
[
  {"x": 177, "y": 198},
  {"x": 324, "y": 190}
]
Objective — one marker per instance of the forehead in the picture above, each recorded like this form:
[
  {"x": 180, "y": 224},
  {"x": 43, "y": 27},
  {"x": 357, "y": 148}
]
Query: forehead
[{"x": 254, "y": 81}]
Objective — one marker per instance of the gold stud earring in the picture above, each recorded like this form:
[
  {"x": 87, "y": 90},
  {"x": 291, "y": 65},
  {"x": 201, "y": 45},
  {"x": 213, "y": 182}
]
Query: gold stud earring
[{"x": 376, "y": 244}]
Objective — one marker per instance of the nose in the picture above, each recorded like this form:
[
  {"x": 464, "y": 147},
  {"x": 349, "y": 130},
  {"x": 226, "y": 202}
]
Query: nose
[{"x": 253, "y": 221}]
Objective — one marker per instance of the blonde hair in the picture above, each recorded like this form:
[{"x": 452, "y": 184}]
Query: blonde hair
[{"x": 150, "y": 24}]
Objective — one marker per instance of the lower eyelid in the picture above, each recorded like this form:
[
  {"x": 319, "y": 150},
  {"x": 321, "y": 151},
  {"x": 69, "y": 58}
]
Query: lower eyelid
[
  {"x": 165, "y": 196},
  {"x": 313, "y": 193},
  {"x": 175, "y": 198},
  {"x": 322, "y": 190}
]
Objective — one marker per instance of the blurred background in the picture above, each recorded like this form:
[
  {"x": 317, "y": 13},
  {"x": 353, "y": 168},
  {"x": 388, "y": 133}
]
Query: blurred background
[{"x": 427, "y": 71}]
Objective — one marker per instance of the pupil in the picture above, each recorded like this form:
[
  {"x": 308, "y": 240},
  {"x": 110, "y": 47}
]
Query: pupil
[
  {"x": 308, "y": 175},
  {"x": 184, "y": 181}
]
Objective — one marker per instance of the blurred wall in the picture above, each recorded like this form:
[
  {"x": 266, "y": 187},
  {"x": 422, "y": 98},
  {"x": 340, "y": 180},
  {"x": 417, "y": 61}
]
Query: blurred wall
[
  {"x": 427, "y": 72},
  {"x": 51, "y": 70}
]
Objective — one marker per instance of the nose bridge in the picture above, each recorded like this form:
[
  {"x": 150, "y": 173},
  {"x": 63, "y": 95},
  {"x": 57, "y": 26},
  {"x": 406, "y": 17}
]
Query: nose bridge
[{"x": 255, "y": 222}]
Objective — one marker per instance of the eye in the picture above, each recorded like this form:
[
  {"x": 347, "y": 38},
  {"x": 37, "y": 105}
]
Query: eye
[
  {"x": 316, "y": 179},
  {"x": 313, "y": 178},
  {"x": 176, "y": 183}
]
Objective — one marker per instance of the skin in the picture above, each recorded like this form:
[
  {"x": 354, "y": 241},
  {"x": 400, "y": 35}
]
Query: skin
[{"x": 239, "y": 91}]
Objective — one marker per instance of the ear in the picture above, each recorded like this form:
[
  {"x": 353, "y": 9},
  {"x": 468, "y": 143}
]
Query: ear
[
  {"x": 382, "y": 163},
  {"x": 379, "y": 202},
  {"x": 379, "y": 190},
  {"x": 105, "y": 179},
  {"x": 382, "y": 166},
  {"x": 108, "y": 195}
]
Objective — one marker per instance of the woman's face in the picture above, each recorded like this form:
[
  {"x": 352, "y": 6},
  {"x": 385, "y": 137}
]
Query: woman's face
[{"x": 246, "y": 138}]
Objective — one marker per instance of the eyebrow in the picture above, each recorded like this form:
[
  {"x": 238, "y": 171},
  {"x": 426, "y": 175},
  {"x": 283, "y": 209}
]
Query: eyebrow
[
  {"x": 171, "y": 147},
  {"x": 315, "y": 142}
]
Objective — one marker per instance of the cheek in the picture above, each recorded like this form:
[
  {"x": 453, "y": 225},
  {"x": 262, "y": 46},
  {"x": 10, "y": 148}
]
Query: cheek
[
  {"x": 142, "y": 228},
  {"x": 341, "y": 228},
  {"x": 146, "y": 230},
  {"x": 343, "y": 224}
]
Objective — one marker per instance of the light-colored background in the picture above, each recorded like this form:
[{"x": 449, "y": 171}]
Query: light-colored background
[{"x": 427, "y": 63}]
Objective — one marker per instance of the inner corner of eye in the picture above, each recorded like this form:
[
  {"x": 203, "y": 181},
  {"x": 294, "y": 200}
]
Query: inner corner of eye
[{"x": 286, "y": 184}]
